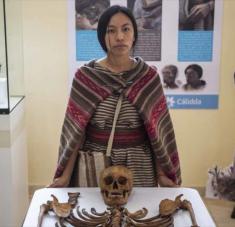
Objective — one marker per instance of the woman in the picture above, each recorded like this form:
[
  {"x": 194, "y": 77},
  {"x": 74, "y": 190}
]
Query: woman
[
  {"x": 144, "y": 139},
  {"x": 148, "y": 14},
  {"x": 193, "y": 74}
]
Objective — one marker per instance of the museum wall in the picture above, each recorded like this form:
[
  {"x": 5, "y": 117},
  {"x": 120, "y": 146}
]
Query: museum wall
[{"x": 204, "y": 137}]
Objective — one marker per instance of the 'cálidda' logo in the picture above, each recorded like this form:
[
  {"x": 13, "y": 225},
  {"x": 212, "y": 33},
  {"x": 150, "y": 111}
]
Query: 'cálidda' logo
[
  {"x": 170, "y": 101},
  {"x": 189, "y": 101}
]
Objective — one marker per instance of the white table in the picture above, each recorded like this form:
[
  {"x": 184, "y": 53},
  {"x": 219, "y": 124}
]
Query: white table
[{"x": 139, "y": 198}]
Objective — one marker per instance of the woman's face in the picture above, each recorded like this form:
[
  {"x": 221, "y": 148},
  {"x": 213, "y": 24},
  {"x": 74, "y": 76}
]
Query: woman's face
[
  {"x": 192, "y": 76},
  {"x": 119, "y": 36}
]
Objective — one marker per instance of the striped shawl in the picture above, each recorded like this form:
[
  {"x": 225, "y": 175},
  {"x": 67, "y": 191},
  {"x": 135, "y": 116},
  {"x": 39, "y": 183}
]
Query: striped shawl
[{"x": 143, "y": 89}]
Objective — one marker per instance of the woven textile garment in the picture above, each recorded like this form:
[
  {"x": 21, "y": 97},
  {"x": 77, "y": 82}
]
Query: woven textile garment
[{"x": 141, "y": 87}]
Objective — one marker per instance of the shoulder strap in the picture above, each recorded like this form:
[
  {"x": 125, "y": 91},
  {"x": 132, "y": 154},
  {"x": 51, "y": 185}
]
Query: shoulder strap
[{"x": 117, "y": 111}]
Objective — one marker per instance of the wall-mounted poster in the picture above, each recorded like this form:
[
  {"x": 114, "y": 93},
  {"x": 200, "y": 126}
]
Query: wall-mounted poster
[{"x": 182, "y": 38}]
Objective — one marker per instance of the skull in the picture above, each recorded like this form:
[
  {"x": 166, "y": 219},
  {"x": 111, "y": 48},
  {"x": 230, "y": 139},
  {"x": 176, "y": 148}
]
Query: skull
[{"x": 116, "y": 184}]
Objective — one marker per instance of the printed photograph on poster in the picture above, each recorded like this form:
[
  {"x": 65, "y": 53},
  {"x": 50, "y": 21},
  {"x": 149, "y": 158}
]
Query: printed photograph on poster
[
  {"x": 193, "y": 78},
  {"x": 148, "y": 15},
  {"x": 86, "y": 16},
  {"x": 196, "y": 15},
  {"x": 170, "y": 77}
]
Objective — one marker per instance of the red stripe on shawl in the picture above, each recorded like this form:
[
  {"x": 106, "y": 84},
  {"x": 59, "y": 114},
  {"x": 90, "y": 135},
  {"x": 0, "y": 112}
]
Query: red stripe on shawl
[
  {"x": 174, "y": 158},
  {"x": 59, "y": 171},
  {"x": 79, "y": 116},
  {"x": 175, "y": 162},
  {"x": 158, "y": 109},
  {"x": 91, "y": 84},
  {"x": 141, "y": 83}
]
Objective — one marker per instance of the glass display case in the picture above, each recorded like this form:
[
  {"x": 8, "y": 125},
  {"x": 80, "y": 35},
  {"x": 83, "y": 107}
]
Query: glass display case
[{"x": 11, "y": 55}]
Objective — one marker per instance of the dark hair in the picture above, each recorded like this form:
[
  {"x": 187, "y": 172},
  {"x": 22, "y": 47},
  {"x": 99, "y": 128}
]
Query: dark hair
[
  {"x": 196, "y": 68},
  {"x": 104, "y": 21}
]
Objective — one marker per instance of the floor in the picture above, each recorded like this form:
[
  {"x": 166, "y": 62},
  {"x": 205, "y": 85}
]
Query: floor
[{"x": 221, "y": 211}]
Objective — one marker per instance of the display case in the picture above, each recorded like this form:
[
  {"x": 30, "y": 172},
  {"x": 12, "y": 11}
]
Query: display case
[
  {"x": 13, "y": 138},
  {"x": 11, "y": 55}
]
